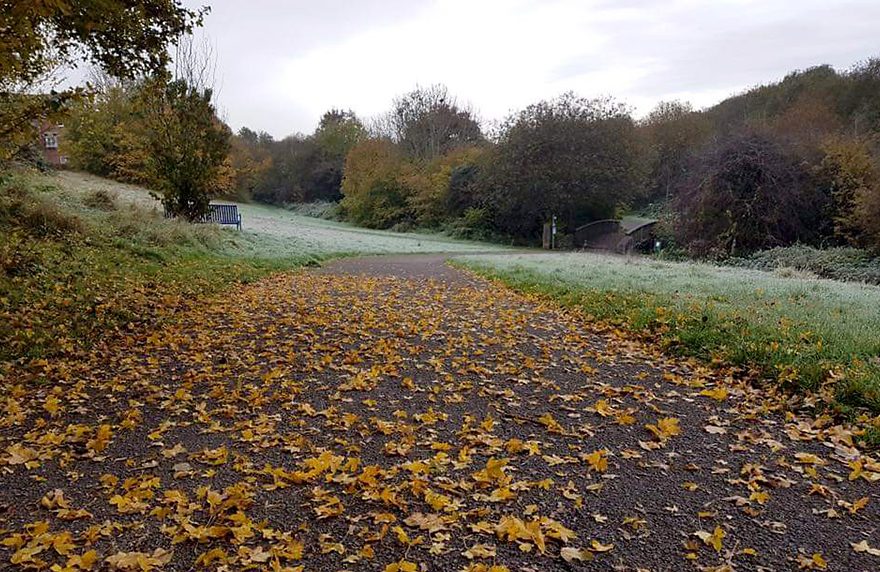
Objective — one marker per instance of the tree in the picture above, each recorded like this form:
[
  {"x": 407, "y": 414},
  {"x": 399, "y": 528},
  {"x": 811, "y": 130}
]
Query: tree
[
  {"x": 850, "y": 176},
  {"x": 297, "y": 168},
  {"x": 862, "y": 100},
  {"x": 463, "y": 193},
  {"x": 571, "y": 157},
  {"x": 335, "y": 136},
  {"x": 281, "y": 183},
  {"x": 105, "y": 131},
  {"x": 674, "y": 131},
  {"x": 125, "y": 38},
  {"x": 806, "y": 124},
  {"x": 250, "y": 161},
  {"x": 430, "y": 184},
  {"x": 745, "y": 193},
  {"x": 374, "y": 193},
  {"x": 428, "y": 122},
  {"x": 339, "y": 131},
  {"x": 188, "y": 145},
  {"x": 760, "y": 106}
]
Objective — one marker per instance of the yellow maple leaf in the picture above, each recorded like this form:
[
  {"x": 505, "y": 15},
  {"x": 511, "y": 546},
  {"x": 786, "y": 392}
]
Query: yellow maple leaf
[
  {"x": 493, "y": 472},
  {"x": 863, "y": 546},
  {"x": 712, "y": 539},
  {"x": 597, "y": 460},
  {"x": 102, "y": 438},
  {"x": 597, "y": 546},
  {"x": 550, "y": 423},
  {"x": 502, "y": 494},
  {"x": 718, "y": 393},
  {"x": 480, "y": 551},
  {"x": 602, "y": 408},
  {"x": 52, "y": 405},
  {"x": 139, "y": 561},
  {"x": 570, "y": 554},
  {"x": 402, "y": 566},
  {"x": 664, "y": 429},
  {"x": 858, "y": 505}
]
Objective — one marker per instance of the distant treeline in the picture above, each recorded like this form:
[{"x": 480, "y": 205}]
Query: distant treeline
[{"x": 796, "y": 161}]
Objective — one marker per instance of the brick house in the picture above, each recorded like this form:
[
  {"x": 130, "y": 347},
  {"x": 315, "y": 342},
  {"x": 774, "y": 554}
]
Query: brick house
[{"x": 50, "y": 143}]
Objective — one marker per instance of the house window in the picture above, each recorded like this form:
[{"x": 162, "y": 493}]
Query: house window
[{"x": 51, "y": 140}]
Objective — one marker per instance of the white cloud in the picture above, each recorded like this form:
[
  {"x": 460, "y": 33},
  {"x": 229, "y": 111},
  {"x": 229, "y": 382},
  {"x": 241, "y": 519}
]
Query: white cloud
[{"x": 283, "y": 64}]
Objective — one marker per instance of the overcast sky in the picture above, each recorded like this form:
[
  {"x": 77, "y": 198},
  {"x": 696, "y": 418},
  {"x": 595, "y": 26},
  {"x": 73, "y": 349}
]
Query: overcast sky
[{"x": 282, "y": 63}]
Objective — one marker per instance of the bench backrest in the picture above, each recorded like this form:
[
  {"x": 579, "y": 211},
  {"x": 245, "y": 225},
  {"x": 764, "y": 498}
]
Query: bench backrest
[{"x": 223, "y": 214}]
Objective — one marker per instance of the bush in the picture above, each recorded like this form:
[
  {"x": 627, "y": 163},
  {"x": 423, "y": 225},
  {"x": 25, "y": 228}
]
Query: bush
[
  {"x": 747, "y": 193},
  {"x": 473, "y": 224},
  {"x": 326, "y": 210},
  {"x": 101, "y": 200},
  {"x": 383, "y": 205},
  {"x": 848, "y": 264}
]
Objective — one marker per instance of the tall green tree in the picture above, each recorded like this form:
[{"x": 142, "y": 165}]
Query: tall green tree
[
  {"x": 579, "y": 159},
  {"x": 188, "y": 145}
]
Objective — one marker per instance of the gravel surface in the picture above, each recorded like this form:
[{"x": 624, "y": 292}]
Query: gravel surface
[{"x": 392, "y": 413}]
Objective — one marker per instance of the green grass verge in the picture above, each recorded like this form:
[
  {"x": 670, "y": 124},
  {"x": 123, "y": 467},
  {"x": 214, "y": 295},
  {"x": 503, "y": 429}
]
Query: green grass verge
[{"x": 818, "y": 335}]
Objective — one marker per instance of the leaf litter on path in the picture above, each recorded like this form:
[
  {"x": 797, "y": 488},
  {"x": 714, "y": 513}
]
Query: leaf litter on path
[{"x": 394, "y": 414}]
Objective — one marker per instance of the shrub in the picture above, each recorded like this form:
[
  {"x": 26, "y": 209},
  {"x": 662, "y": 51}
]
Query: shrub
[
  {"x": 101, "y": 200},
  {"x": 326, "y": 210},
  {"x": 383, "y": 205},
  {"x": 747, "y": 193},
  {"x": 842, "y": 263},
  {"x": 473, "y": 224}
]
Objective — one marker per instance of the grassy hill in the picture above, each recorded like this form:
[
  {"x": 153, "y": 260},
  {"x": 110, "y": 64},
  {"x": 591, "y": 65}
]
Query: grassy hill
[{"x": 81, "y": 256}]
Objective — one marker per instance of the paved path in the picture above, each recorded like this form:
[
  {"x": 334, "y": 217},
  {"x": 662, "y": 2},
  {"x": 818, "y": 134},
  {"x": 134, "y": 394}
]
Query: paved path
[{"x": 396, "y": 414}]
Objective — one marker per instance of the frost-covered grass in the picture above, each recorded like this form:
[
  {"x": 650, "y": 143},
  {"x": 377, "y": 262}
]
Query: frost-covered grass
[
  {"x": 794, "y": 329},
  {"x": 271, "y": 232}
]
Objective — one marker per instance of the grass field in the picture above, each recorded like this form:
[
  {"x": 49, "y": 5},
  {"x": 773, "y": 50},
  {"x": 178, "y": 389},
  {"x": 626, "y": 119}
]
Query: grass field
[
  {"x": 810, "y": 332},
  {"x": 81, "y": 255},
  {"x": 271, "y": 232}
]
